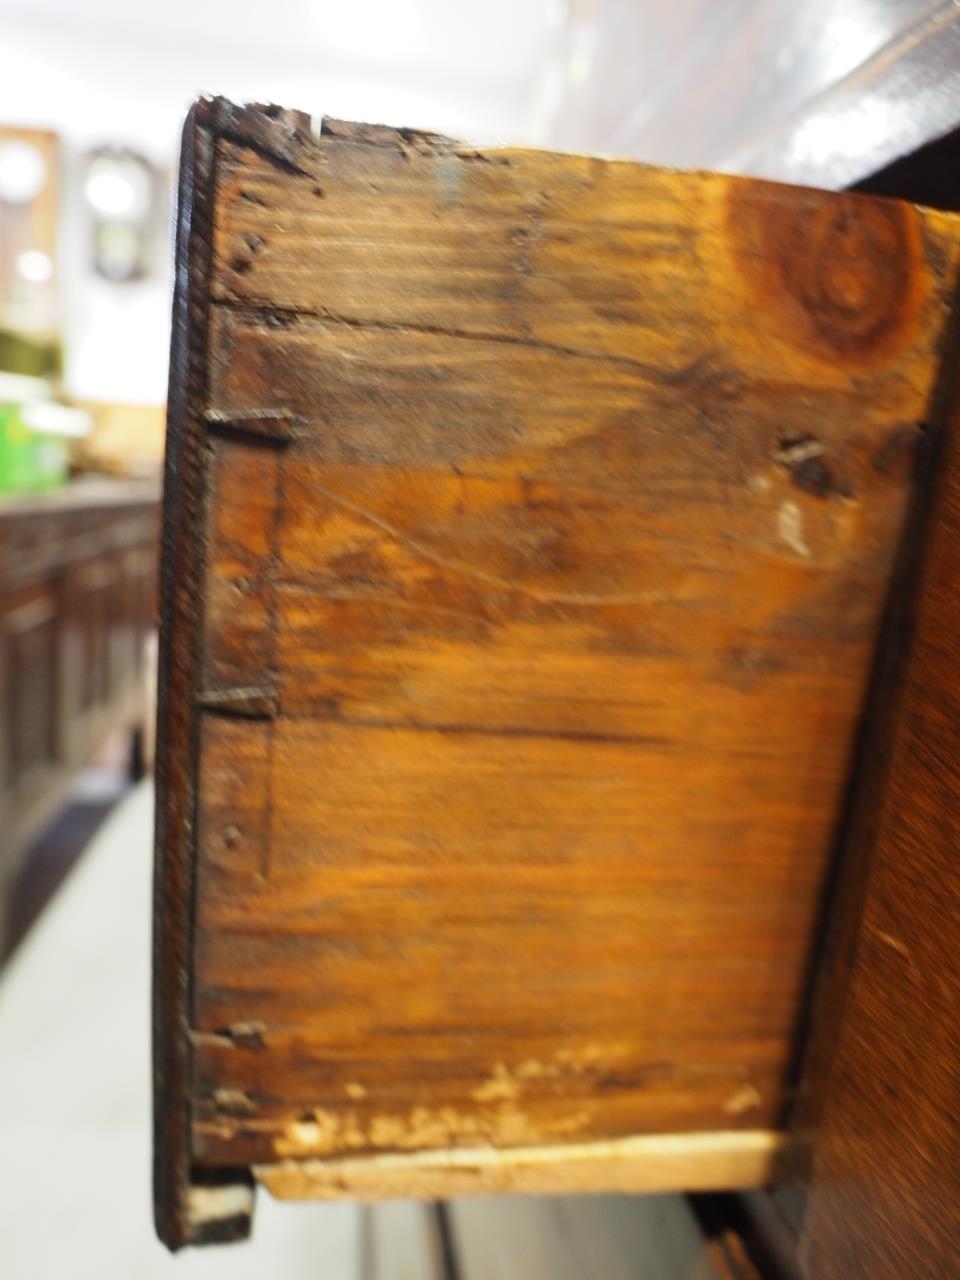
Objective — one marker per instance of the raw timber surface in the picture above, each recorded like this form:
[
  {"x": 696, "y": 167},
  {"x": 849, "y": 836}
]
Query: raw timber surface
[{"x": 545, "y": 513}]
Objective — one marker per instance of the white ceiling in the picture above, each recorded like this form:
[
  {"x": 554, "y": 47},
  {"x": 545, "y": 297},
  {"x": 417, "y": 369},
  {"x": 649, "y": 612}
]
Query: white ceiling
[{"x": 119, "y": 69}]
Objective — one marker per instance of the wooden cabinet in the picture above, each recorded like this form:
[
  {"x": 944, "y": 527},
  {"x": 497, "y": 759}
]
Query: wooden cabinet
[
  {"x": 531, "y": 526},
  {"x": 77, "y": 574}
]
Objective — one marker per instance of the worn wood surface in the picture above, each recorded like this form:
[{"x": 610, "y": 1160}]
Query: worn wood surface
[
  {"x": 649, "y": 1163},
  {"x": 181, "y": 578},
  {"x": 882, "y": 1083},
  {"x": 537, "y": 519}
]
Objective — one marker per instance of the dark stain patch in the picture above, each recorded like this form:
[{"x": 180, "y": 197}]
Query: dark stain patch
[
  {"x": 747, "y": 665},
  {"x": 750, "y": 658},
  {"x": 833, "y": 272},
  {"x": 936, "y": 258},
  {"x": 643, "y": 1075},
  {"x": 241, "y": 263},
  {"x": 895, "y": 455},
  {"x": 843, "y": 613},
  {"x": 808, "y": 469},
  {"x": 482, "y": 157},
  {"x": 254, "y": 242},
  {"x": 280, "y": 136},
  {"x": 813, "y": 476}
]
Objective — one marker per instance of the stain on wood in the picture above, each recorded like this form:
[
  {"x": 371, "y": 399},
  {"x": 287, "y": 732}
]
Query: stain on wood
[{"x": 565, "y": 590}]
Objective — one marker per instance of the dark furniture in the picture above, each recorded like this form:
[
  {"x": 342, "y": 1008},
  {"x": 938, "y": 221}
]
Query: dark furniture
[{"x": 77, "y": 573}]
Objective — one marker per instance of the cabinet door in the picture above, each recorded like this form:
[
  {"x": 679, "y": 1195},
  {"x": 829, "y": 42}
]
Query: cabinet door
[
  {"x": 90, "y": 657},
  {"x": 32, "y": 689}
]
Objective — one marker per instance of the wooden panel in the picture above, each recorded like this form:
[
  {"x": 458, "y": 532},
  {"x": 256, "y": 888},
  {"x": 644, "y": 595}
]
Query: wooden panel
[
  {"x": 551, "y": 506},
  {"x": 884, "y": 1196},
  {"x": 95, "y": 585},
  {"x": 31, "y": 656}
]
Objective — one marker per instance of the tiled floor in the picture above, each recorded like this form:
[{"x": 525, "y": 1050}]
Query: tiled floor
[{"x": 74, "y": 1096}]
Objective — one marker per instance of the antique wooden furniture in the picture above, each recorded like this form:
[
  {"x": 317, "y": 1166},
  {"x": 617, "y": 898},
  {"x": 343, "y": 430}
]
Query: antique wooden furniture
[
  {"x": 530, "y": 523},
  {"x": 77, "y": 573}
]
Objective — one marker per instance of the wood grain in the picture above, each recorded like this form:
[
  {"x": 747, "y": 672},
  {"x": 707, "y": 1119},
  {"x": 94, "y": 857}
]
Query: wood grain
[
  {"x": 883, "y": 1071},
  {"x": 533, "y": 645}
]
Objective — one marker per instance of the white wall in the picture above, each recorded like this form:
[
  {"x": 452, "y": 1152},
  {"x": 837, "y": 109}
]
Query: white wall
[{"x": 124, "y": 72}]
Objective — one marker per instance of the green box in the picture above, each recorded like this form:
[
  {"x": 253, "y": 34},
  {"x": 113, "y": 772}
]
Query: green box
[
  {"x": 29, "y": 460},
  {"x": 35, "y": 436}
]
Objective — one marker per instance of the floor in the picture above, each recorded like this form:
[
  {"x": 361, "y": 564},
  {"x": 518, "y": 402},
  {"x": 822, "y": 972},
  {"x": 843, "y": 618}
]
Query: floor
[
  {"x": 74, "y": 1106},
  {"x": 59, "y": 848},
  {"x": 75, "y": 1112}
]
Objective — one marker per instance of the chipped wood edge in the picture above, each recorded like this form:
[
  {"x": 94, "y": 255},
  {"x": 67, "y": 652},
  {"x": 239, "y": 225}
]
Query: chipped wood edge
[
  {"x": 184, "y": 1211},
  {"x": 180, "y": 638},
  {"x": 733, "y": 1160},
  {"x": 218, "y": 1209}
]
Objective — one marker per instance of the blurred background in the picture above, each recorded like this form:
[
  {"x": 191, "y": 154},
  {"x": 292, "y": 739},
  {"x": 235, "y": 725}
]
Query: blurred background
[{"x": 92, "y": 99}]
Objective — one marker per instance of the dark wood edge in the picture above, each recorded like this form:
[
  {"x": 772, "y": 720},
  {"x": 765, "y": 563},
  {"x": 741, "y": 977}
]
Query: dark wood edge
[
  {"x": 181, "y": 570},
  {"x": 745, "y": 1238},
  {"x": 927, "y": 175},
  {"x": 857, "y": 831},
  {"x": 188, "y": 1209},
  {"x": 882, "y": 1121}
]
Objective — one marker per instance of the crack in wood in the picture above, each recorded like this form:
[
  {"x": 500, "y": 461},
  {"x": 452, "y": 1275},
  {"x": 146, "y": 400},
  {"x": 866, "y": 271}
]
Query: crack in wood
[{"x": 255, "y": 309}]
